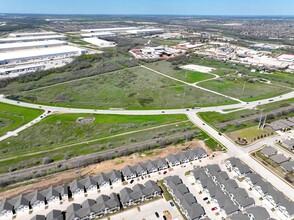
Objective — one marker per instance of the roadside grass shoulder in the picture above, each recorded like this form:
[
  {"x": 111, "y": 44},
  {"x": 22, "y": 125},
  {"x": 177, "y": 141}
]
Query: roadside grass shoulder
[{"x": 14, "y": 116}]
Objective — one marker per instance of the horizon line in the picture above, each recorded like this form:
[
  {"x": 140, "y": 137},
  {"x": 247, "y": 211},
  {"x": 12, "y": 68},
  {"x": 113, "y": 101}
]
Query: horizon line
[{"x": 133, "y": 14}]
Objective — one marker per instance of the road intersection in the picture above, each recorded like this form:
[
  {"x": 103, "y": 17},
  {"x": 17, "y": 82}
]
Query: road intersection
[{"x": 233, "y": 150}]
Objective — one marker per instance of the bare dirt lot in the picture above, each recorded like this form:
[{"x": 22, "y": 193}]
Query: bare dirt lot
[{"x": 106, "y": 166}]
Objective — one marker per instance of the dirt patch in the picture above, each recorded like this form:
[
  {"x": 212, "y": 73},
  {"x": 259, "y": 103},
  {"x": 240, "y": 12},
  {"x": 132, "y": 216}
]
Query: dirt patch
[{"x": 106, "y": 166}]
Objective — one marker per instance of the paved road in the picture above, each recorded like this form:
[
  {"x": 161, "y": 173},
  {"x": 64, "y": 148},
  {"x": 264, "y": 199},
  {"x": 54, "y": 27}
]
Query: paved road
[{"x": 235, "y": 151}]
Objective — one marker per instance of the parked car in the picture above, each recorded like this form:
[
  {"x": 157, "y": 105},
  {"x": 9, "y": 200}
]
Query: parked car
[
  {"x": 204, "y": 199},
  {"x": 164, "y": 172},
  {"x": 156, "y": 214},
  {"x": 214, "y": 208},
  {"x": 171, "y": 204},
  {"x": 131, "y": 181}
]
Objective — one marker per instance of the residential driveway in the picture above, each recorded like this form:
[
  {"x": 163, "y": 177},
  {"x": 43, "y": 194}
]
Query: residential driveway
[{"x": 147, "y": 212}]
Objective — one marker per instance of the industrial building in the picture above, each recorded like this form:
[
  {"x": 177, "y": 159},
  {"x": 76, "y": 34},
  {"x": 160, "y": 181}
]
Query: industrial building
[
  {"x": 40, "y": 54},
  {"x": 32, "y": 34},
  {"x": 100, "y": 43},
  {"x": 30, "y": 45},
  {"x": 146, "y": 31},
  {"x": 99, "y": 34},
  {"x": 28, "y": 39},
  {"x": 21, "y": 69},
  {"x": 113, "y": 30}
]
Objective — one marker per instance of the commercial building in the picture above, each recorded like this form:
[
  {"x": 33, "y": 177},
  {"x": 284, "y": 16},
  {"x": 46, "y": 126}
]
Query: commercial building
[
  {"x": 113, "y": 30},
  {"x": 35, "y": 34},
  {"x": 30, "y": 45},
  {"x": 39, "y": 54},
  {"x": 28, "y": 39},
  {"x": 100, "y": 43},
  {"x": 21, "y": 69},
  {"x": 146, "y": 31},
  {"x": 99, "y": 34}
]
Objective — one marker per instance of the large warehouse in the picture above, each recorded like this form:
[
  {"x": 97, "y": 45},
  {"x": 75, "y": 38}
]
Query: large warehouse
[
  {"x": 39, "y": 54},
  {"x": 113, "y": 30},
  {"x": 30, "y": 45},
  {"x": 99, "y": 34},
  {"x": 21, "y": 69},
  {"x": 32, "y": 34},
  {"x": 99, "y": 42},
  {"x": 146, "y": 31},
  {"x": 27, "y": 39}
]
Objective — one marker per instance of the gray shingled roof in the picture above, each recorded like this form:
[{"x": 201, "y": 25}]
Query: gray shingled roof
[
  {"x": 213, "y": 169},
  {"x": 73, "y": 208},
  {"x": 258, "y": 212},
  {"x": 39, "y": 217},
  {"x": 102, "y": 178},
  {"x": 127, "y": 171},
  {"x": 288, "y": 166},
  {"x": 255, "y": 178},
  {"x": 239, "y": 216},
  {"x": 5, "y": 205},
  {"x": 268, "y": 151},
  {"x": 88, "y": 203},
  {"x": 114, "y": 174},
  {"x": 76, "y": 185},
  {"x": 53, "y": 214},
  {"x": 279, "y": 158}
]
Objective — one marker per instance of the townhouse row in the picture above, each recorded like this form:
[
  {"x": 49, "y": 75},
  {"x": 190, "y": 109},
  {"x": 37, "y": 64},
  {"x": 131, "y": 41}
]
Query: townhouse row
[
  {"x": 42, "y": 199},
  {"x": 183, "y": 198},
  {"x": 225, "y": 193},
  {"x": 104, "y": 204},
  {"x": 277, "y": 200}
]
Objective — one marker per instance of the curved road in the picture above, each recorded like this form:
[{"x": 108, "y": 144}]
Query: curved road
[{"x": 233, "y": 149}]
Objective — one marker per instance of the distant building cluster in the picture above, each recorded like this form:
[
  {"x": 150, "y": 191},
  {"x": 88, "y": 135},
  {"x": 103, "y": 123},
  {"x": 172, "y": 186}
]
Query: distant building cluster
[{"x": 21, "y": 53}]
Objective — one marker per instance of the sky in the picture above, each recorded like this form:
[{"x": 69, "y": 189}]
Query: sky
[{"x": 164, "y": 7}]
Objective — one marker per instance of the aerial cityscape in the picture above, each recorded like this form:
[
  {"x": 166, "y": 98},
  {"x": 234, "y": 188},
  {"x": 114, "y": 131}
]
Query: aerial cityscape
[{"x": 147, "y": 110}]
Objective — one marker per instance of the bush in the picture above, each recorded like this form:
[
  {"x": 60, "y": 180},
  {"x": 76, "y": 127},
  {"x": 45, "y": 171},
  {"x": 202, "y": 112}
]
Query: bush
[{"x": 47, "y": 160}]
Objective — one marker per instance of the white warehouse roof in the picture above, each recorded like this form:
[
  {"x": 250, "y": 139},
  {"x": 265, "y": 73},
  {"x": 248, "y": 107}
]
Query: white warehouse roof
[
  {"x": 32, "y": 34},
  {"x": 120, "y": 29},
  {"x": 25, "y": 39},
  {"x": 141, "y": 31},
  {"x": 31, "y": 44},
  {"x": 99, "y": 42},
  {"x": 19, "y": 55},
  {"x": 99, "y": 34}
]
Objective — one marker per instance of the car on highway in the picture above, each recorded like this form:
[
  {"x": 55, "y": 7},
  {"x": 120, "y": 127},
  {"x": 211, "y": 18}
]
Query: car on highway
[
  {"x": 171, "y": 204},
  {"x": 163, "y": 112},
  {"x": 220, "y": 134},
  {"x": 156, "y": 214}
]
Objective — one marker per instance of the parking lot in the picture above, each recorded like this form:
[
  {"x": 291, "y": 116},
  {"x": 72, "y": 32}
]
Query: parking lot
[{"x": 147, "y": 212}]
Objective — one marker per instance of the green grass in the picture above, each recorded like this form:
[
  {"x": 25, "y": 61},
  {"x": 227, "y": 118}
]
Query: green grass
[
  {"x": 12, "y": 117},
  {"x": 185, "y": 75},
  {"x": 135, "y": 88},
  {"x": 249, "y": 92},
  {"x": 215, "y": 118},
  {"x": 250, "y": 134},
  {"x": 59, "y": 135}
]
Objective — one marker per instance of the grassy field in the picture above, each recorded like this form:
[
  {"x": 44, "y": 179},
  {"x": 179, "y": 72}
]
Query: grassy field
[
  {"x": 12, "y": 117},
  {"x": 185, "y": 75},
  {"x": 135, "y": 88},
  {"x": 244, "y": 90},
  {"x": 250, "y": 134},
  {"x": 60, "y": 137},
  {"x": 215, "y": 118}
]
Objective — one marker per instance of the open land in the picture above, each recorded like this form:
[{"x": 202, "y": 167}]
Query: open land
[{"x": 135, "y": 88}]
